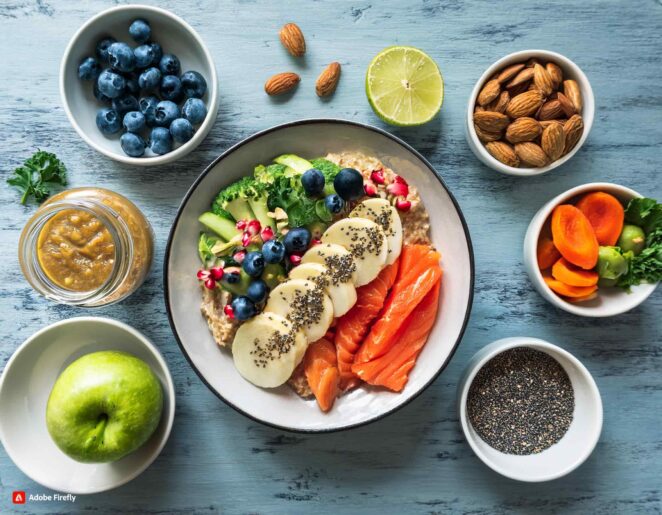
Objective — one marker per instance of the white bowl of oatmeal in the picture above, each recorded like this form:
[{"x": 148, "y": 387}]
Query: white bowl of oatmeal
[{"x": 348, "y": 144}]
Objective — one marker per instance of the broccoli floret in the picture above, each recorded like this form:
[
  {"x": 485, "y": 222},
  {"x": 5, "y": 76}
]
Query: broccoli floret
[
  {"x": 234, "y": 200},
  {"x": 269, "y": 174},
  {"x": 330, "y": 170}
]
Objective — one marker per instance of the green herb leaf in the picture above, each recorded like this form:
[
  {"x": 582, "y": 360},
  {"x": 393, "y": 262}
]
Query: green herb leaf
[{"x": 37, "y": 174}]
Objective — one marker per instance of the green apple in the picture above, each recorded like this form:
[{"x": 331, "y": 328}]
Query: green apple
[{"x": 104, "y": 406}]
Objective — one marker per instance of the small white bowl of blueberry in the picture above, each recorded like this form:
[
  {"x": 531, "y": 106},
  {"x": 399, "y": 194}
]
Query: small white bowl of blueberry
[{"x": 139, "y": 85}]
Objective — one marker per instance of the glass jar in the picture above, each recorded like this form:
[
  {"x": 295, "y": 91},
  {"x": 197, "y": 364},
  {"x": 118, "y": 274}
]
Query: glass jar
[{"x": 86, "y": 247}]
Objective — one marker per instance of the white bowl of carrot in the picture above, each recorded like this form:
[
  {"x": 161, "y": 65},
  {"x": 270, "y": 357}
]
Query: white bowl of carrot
[{"x": 584, "y": 250}]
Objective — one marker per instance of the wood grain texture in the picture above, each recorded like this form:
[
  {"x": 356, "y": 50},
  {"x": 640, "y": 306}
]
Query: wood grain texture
[{"x": 416, "y": 460}]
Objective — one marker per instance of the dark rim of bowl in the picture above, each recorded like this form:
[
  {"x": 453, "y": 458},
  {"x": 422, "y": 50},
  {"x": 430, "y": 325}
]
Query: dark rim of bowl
[{"x": 312, "y": 121}]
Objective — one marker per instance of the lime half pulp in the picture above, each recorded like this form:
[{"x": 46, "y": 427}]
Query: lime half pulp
[{"x": 404, "y": 86}]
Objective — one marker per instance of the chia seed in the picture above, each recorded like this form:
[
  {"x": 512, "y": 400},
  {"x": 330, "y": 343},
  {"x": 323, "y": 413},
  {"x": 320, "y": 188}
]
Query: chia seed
[{"x": 521, "y": 402}]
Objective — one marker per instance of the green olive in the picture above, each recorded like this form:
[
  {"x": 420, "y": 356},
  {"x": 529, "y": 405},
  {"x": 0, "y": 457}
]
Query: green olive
[
  {"x": 611, "y": 263},
  {"x": 632, "y": 238}
]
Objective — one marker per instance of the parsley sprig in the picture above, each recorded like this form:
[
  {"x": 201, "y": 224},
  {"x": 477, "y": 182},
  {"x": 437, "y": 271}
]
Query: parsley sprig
[{"x": 35, "y": 177}]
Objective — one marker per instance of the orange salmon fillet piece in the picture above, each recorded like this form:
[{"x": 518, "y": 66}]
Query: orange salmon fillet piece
[
  {"x": 353, "y": 326},
  {"x": 391, "y": 370},
  {"x": 320, "y": 366},
  {"x": 407, "y": 292}
]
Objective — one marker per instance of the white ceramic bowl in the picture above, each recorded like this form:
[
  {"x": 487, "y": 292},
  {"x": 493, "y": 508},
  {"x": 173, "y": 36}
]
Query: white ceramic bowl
[
  {"x": 569, "y": 452},
  {"x": 175, "y": 36},
  {"x": 610, "y": 301},
  {"x": 281, "y": 407},
  {"x": 26, "y": 384},
  {"x": 570, "y": 71}
]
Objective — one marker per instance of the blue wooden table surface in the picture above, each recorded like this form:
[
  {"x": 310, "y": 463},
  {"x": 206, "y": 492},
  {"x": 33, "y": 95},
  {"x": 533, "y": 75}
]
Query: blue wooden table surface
[{"x": 415, "y": 460}]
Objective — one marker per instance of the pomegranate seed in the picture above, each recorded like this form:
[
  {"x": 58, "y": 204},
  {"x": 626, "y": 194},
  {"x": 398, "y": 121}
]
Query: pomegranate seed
[
  {"x": 377, "y": 176},
  {"x": 246, "y": 239},
  {"x": 210, "y": 284},
  {"x": 398, "y": 189},
  {"x": 241, "y": 225},
  {"x": 216, "y": 273},
  {"x": 203, "y": 275},
  {"x": 295, "y": 259},
  {"x": 370, "y": 189},
  {"x": 253, "y": 227},
  {"x": 315, "y": 241},
  {"x": 239, "y": 256},
  {"x": 400, "y": 180},
  {"x": 267, "y": 234},
  {"x": 229, "y": 312},
  {"x": 402, "y": 204}
]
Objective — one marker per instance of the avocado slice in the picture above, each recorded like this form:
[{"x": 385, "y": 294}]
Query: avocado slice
[
  {"x": 296, "y": 163},
  {"x": 240, "y": 209},
  {"x": 273, "y": 275},
  {"x": 261, "y": 212},
  {"x": 238, "y": 288},
  {"x": 222, "y": 226}
]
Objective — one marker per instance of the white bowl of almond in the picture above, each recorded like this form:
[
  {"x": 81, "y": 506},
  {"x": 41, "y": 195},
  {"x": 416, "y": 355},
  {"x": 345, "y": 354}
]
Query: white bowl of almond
[{"x": 529, "y": 113}]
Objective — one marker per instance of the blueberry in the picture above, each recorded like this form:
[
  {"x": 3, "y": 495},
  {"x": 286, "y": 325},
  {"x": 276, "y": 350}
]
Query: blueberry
[
  {"x": 313, "y": 182},
  {"x": 194, "y": 110},
  {"x": 150, "y": 78},
  {"x": 181, "y": 130},
  {"x": 144, "y": 55},
  {"x": 171, "y": 88},
  {"x": 297, "y": 240},
  {"x": 257, "y": 291},
  {"x": 231, "y": 276},
  {"x": 349, "y": 184},
  {"x": 243, "y": 308},
  {"x": 334, "y": 203},
  {"x": 140, "y": 30},
  {"x": 89, "y": 69},
  {"x": 165, "y": 113},
  {"x": 98, "y": 95},
  {"x": 125, "y": 103},
  {"x": 169, "y": 65},
  {"x": 132, "y": 144},
  {"x": 134, "y": 121},
  {"x": 111, "y": 84},
  {"x": 194, "y": 84},
  {"x": 158, "y": 53},
  {"x": 132, "y": 85},
  {"x": 253, "y": 264},
  {"x": 108, "y": 120},
  {"x": 160, "y": 140},
  {"x": 121, "y": 57},
  {"x": 102, "y": 48},
  {"x": 273, "y": 251},
  {"x": 148, "y": 108}
]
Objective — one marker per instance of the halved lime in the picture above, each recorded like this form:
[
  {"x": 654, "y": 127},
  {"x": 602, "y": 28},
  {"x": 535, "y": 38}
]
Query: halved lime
[{"x": 404, "y": 86}]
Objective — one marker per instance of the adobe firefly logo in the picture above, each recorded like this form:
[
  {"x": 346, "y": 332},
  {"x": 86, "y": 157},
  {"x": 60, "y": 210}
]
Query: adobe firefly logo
[{"x": 18, "y": 497}]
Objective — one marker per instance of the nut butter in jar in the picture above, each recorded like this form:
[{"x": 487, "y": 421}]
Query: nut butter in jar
[{"x": 86, "y": 247}]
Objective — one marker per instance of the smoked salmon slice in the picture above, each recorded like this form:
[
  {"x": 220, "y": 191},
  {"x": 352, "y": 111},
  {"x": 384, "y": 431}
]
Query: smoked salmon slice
[
  {"x": 407, "y": 292},
  {"x": 353, "y": 326},
  {"x": 391, "y": 370},
  {"x": 321, "y": 367}
]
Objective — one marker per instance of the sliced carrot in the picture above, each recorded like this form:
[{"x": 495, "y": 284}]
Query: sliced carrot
[
  {"x": 606, "y": 215},
  {"x": 354, "y": 325},
  {"x": 320, "y": 366},
  {"x": 574, "y": 236},
  {"x": 576, "y": 300},
  {"x": 392, "y": 369},
  {"x": 569, "y": 291},
  {"x": 546, "y": 253},
  {"x": 402, "y": 300},
  {"x": 568, "y": 273}
]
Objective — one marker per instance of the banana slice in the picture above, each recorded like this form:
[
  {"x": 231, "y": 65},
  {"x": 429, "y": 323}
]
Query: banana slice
[
  {"x": 336, "y": 258},
  {"x": 342, "y": 294},
  {"x": 366, "y": 242},
  {"x": 304, "y": 304},
  {"x": 267, "y": 349},
  {"x": 386, "y": 216}
]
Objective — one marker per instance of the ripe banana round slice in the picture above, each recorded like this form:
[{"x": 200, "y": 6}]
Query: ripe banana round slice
[
  {"x": 267, "y": 349},
  {"x": 342, "y": 294},
  {"x": 386, "y": 216},
  {"x": 304, "y": 304},
  {"x": 365, "y": 240},
  {"x": 336, "y": 258}
]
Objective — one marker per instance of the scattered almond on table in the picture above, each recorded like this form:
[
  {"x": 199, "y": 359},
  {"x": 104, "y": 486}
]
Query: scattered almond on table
[
  {"x": 328, "y": 80},
  {"x": 281, "y": 83},
  {"x": 527, "y": 115},
  {"x": 292, "y": 39}
]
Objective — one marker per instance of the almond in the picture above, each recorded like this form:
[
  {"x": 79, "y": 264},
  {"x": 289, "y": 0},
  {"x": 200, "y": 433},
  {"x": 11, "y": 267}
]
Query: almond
[
  {"x": 509, "y": 72},
  {"x": 500, "y": 103},
  {"x": 532, "y": 62},
  {"x": 573, "y": 129},
  {"x": 572, "y": 91},
  {"x": 479, "y": 109},
  {"x": 523, "y": 129},
  {"x": 520, "y": 88},
  {"x": 566, "y": 105},
  {"x": 491, "y": 121},
  {"x": 524, "y": 104},
  {"x": 531, "y": 154},
  {"x": 503, "y": 152},
  {"x": 489, "y": 92},
  {"x": 486, "y": 136},
  {"x": 546, "y": 123},
  {"x": 281, "y": 83},
  {"x": 553, "y": 141},
  {"x": 542, "y": 80},
  {"x": 328, "y": 80},
  {"x": 292, "y": 39},
  {"x": 523, "y": 76},
  {"x": 550, "y": 110},
  {"x": 555, "y": 73}
]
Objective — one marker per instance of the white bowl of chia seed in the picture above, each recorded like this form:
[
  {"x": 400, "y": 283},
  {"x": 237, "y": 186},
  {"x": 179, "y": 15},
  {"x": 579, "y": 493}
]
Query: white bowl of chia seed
[{"x": 529, "y": 409}]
